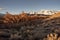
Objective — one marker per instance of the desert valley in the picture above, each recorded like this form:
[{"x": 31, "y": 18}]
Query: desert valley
[{"x": 26, "y": 26}]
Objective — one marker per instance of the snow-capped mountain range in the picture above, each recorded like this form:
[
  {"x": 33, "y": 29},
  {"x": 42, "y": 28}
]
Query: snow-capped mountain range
[{"x": 45, "y": 12}]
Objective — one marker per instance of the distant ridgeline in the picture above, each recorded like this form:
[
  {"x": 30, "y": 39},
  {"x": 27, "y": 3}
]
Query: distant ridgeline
[
  {"x": 9, "y": 18},
  {"x": 45, "y": 12}
]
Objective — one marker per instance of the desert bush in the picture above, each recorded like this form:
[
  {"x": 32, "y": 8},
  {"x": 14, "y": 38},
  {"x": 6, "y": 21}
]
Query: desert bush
[{"x": 52, "y": 36}]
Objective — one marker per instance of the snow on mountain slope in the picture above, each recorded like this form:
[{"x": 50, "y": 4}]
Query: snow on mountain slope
[{"x": 45, "y": 12}]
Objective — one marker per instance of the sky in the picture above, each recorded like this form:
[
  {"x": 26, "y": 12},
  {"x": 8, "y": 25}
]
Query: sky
[{"x": 17, "y": 6}]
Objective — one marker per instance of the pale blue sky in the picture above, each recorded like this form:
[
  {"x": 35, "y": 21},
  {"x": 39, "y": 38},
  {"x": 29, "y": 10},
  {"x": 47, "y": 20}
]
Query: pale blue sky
[{"x": 16, "y": 6}]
